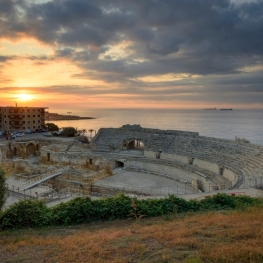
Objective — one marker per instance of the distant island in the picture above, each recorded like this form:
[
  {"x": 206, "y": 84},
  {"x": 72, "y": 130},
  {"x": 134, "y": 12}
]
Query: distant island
[
  {"x": 226, "y": 109},
  {"x": 59, "y": 117},
  {"x": 210, "y": 108}
]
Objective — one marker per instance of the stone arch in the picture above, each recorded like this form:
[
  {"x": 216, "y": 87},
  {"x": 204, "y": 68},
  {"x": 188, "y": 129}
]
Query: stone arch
[
  {"x": 30, "y": 149},
  {"x": 134, "y": 144},
  {"x": 119, "y": 164}
]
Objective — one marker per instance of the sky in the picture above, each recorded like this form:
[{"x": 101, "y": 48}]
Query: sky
[{"x": 83, "y": 54}]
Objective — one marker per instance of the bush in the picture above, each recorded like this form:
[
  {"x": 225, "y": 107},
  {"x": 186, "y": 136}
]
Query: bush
[
  {"x": 34, "y": 213},
  {"x": 3, "y": 188},
  {"x": 51, "y": 126},
  {"x": 69, "y": 131},
  {"x": 25, "y": 213}
]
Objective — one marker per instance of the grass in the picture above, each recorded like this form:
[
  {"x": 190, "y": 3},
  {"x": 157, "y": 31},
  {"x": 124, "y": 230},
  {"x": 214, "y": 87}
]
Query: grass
[{"x": 226, "y": 236}]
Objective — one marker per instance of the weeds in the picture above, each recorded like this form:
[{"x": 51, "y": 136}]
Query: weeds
[
  {"x": 135, "y": 213},
  {"x": 217, "y": 237}
]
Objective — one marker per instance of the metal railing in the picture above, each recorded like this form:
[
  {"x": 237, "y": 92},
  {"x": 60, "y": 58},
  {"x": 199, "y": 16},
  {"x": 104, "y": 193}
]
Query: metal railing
[{"x": 39, "y": 177}]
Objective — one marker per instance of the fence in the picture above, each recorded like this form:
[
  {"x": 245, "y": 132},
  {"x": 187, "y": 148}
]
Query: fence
[
  {"x": 39, "y": 177},
  {"x": 106, "y": 189}
]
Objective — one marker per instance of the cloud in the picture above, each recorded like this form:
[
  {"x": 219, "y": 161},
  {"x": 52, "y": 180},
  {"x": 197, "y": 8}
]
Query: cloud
[{"x": 120, "y": 42}]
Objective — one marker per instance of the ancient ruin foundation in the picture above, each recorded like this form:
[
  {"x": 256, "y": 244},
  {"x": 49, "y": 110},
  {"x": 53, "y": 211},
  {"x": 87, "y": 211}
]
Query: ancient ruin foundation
[{"x": 134, "y": 160}]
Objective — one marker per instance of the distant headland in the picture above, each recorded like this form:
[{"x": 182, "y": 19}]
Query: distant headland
[{"x": 59, "y": 117}]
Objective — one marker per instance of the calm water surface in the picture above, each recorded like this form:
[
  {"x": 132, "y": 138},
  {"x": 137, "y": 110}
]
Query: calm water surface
[{"x": 215, "y": 123}]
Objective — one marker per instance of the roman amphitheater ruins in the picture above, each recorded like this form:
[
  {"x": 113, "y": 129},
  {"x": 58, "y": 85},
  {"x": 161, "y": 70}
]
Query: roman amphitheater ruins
[{"x": 131, "y": 159}]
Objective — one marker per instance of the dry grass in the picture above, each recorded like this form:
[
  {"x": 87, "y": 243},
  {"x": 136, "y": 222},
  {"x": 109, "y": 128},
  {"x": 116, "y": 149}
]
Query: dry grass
[{"x": 210, "y": 237}]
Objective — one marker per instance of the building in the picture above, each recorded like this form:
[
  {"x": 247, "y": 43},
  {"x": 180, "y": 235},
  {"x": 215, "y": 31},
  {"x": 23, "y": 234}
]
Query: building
[{"x": 22, "y": 118}]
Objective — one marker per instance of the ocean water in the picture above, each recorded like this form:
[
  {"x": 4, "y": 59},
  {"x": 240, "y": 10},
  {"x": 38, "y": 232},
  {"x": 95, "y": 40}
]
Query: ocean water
[{"x": 212, "y": 123}]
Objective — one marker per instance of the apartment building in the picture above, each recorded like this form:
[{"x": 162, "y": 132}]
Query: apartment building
[{"x": 22, "y": 118}]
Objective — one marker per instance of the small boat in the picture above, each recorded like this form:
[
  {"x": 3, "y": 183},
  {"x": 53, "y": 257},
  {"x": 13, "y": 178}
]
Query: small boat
[
  {"x": 210, "y": 108},
  {"x": 226, "y": 109}
]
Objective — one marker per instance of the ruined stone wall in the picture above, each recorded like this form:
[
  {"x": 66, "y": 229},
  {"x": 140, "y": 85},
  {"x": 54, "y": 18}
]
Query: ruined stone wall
[
  {"x": 153, "y": 139},
  {"x": 60, "y": 157},
  {"x": 161, "y": 169},
  {"x": 150, "y": 154},
  {"x": 174, "y": 157},
  {"x": 206, "y": 165},
  {"x": 84, "y": 161},
  {"x": 231, "y": 176}
]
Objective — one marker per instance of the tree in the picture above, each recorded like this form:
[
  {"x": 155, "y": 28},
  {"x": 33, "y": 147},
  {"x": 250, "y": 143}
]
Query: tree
[
  {"x": 3, "y": 188},
  {"x": 69, "y": 131},
  {"x": 83, "y": 131},
  {"x": 91, "y": 131},
  {"x": 51, "y": 127}
]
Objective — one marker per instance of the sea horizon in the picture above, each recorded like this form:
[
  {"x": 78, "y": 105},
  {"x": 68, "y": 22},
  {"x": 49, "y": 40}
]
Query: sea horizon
[{"x": 242, "y": 123}]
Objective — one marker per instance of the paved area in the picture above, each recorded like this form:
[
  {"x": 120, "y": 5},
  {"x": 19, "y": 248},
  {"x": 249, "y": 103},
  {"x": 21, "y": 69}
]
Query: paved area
[{"x": 145, "y": 181}]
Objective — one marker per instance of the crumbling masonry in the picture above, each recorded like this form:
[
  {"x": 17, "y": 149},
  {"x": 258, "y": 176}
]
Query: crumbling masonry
[{"x": 193, "y": 162}]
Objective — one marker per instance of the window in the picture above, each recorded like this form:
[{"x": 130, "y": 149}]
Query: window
[
  {"x": 28, "y": 116},
  {"x": 28, "y": 122},
  {"x": 34, "y": 115},
  {"x": 33, "y": 121}
]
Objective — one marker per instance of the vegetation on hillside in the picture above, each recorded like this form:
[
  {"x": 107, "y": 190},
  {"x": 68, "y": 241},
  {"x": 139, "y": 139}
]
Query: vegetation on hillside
[
  {"x": 34, "y": 213},
  {"x": 3, "y": 188},
  {"x": 220, "y": 237}
]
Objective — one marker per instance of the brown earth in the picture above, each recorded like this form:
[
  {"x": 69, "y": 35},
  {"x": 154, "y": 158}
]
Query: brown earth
[{"x": 226, "y": 236}]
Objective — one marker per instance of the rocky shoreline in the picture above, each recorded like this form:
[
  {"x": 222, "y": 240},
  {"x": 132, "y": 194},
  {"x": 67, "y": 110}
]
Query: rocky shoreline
[{"x": 59, "y": 117}]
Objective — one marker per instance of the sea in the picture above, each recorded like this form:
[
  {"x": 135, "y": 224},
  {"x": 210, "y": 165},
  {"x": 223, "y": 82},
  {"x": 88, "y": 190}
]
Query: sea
[{"x": 224, "y": 124}]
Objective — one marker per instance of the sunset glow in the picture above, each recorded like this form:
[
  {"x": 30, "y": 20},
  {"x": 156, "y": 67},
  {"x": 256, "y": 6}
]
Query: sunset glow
[
  {"x": 103, "y": 54},
  {"x": 25, "y": 96}
]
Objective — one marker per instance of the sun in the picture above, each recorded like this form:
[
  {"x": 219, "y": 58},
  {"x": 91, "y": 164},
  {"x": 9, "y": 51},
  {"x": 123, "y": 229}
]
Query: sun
[{"x": 25, "y": 96}]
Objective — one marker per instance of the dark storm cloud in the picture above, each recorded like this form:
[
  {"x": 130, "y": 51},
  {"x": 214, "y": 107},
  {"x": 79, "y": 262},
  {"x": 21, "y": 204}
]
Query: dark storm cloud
[
  {"x": 5, "y": 58},
  {"x": 195, "y": 37}
]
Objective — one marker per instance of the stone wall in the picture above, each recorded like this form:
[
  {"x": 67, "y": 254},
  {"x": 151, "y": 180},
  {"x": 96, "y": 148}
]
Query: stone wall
[
  {"x": 161, "y": 169},
  {"x": 230, "y": 176},
  {"x": 174, "y": 157},
  {"x": 206, "y": 165}
]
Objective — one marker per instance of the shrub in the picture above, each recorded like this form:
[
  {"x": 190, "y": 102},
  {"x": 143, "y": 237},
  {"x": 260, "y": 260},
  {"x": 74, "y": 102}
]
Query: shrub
[
  {"x": 25, "y": 213},
  {"x": 51, "y": 126},
  {"x": 3, "y": 188},
  {"x": 69, "y": 131},
  {"x": 34, "y": 213}
]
